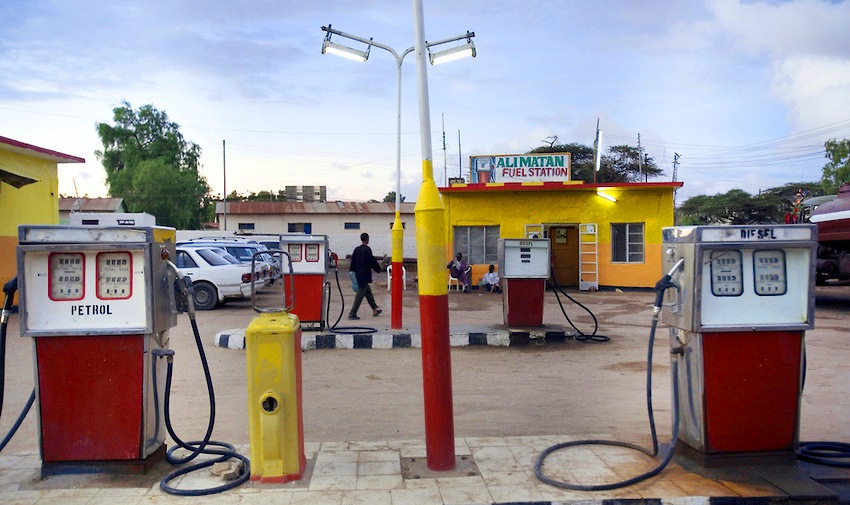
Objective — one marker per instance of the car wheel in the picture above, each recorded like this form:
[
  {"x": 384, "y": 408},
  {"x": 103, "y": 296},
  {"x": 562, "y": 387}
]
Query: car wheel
[{"x": 205, "y": 297}]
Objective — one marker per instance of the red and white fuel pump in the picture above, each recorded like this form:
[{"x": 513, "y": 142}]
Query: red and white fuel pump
[
  {"x": 97, "y": 303},
  {"x": 523, "y": 268},
  {"x": 743, "y": 301},
  {"x": 310, "y": 262}
]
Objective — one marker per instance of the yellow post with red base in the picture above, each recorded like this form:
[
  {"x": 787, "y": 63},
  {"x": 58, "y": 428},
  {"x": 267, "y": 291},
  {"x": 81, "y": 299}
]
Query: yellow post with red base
[{"x": 275, "y": 421}]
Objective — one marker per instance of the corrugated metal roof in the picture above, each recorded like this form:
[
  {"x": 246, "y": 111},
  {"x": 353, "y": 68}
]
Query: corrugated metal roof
[
  {"x": 313, "y": 208},
  {"x": 92, "y": 205}
]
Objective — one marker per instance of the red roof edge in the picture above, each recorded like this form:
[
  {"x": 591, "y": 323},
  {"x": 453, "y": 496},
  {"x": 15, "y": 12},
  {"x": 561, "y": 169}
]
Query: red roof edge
[
  {"x": 49, "y": 153},
  {"x": 556, "y": 185}
]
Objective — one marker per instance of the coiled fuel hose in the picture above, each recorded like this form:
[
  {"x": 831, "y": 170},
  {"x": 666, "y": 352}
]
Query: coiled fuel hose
[
  {"x": 334, "y": 328},
  {"x": 660, "y": 288},
  {"x": 580, "y": 335},
  {"x": 196, "y": 448}
]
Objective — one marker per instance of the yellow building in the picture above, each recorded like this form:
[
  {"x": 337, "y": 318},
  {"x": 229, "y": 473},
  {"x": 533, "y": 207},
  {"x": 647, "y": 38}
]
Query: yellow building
[
  {"x": 600, "y": 234},
  {"x": 29, "y": 194}
]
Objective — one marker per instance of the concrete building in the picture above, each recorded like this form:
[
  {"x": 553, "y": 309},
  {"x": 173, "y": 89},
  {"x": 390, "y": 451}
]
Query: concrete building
[
  {"x": 29, "y": 182},
  {"x": 342, "y": 222}
]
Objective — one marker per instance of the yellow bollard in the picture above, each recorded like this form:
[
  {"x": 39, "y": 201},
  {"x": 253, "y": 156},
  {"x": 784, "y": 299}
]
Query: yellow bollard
[{"x": 275, "y": 423}]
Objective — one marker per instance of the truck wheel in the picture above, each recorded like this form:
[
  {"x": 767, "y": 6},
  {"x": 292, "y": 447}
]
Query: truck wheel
[{"x": 205, "y": 297}]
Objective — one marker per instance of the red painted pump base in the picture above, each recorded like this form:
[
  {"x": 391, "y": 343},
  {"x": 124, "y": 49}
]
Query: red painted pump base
[{"x": 124, "y": 466}]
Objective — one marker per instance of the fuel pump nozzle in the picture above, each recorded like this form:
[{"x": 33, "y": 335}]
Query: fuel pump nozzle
[{"x": 663, "y": 285}]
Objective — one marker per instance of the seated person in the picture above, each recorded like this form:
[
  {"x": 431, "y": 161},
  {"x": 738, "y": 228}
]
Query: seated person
[
  {"x": 491, "y": 280},
  {"x": 458, "y": 269}
]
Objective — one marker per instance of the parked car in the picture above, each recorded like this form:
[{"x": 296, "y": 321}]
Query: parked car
[
  {"x": 214, "y": 278},
  {"x": 243, "y": 250}
]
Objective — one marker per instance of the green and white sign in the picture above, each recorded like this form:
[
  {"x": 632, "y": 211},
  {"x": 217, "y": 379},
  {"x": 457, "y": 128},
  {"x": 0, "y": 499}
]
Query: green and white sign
[{"x": 520, "y": 168}]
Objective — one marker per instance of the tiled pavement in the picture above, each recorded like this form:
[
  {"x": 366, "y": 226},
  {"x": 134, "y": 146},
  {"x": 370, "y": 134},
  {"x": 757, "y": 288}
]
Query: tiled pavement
[{"x": 370, "y": 473}]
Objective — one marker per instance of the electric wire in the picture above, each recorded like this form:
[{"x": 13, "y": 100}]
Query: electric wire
[
  {"x": 538, "y": 465},
  {"x": 196, "y": 448}
]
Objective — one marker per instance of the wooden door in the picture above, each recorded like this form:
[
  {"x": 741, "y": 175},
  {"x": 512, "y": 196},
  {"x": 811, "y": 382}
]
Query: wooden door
[{"x": 565, "y": 248}]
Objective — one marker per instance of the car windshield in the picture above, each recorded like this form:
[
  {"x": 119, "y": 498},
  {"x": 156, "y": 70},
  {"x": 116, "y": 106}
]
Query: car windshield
[{"x": 212, "y": 257}]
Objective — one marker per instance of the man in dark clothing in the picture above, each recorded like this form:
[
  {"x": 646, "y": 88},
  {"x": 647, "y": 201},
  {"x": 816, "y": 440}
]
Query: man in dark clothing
[{"x": 362, "y": 264}]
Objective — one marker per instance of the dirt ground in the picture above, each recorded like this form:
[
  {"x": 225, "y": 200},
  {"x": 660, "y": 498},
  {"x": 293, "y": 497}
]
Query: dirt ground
[{"x": 575, "y": 388}]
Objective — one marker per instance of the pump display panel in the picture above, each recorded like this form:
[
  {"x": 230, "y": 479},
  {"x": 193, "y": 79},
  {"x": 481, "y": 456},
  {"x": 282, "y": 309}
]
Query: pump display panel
[
  {"x": 769, "y": 275},
  {"x": 727, "y": 278},
  {"x": 66, "y": 276}
]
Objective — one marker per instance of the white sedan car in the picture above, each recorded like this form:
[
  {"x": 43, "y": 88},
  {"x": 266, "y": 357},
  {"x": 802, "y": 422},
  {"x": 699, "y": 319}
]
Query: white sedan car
[{"x": 214, "y": 277}]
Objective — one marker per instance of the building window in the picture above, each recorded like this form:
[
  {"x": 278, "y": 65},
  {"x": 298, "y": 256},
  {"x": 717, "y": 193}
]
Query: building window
[
  {"x": 300, "y": 228},
  {"x": 627, "y": 242},
  {"x": 246, "y": 226},
  {"x": 403, "y": 227},
  {"x": 478, "y": 244},
  {"x": 352, "y": 226}
]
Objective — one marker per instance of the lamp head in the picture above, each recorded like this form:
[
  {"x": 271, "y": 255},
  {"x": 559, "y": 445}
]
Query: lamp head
[
  {"x": 452, "y": 54},
  {"x": 344, "y": 51}
]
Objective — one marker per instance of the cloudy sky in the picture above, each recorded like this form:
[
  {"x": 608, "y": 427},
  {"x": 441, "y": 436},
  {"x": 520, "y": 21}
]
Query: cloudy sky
[{"x": 745, "y": 92}]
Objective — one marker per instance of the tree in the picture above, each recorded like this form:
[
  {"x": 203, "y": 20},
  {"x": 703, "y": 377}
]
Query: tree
[
  {"x": 621, "y": 164},
  {"x": 153, "y": 168},
  {"x": 772, "y": 205},
  {"x": 391, "y": 197},
  {"x": 837, "y": 171}
]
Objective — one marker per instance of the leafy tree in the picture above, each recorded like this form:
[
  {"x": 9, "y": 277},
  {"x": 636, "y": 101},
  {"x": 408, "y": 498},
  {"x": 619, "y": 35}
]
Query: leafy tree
[
  {"x": 774, "y": 205},
  {"x": 621, "y": 164},
  {"x": 390, "y": 198},
  {"x": 837, "y": 171},
  {"x": 153, "y": 168}
]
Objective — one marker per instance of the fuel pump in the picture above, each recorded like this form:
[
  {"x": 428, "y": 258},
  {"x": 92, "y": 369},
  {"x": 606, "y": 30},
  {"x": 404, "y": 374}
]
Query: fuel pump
[
  {"x": 524, "y": 268},
  {"x": 743, "y": 301},
  {"x": 97, "y": 303},
  {"x": 310, "y": 264}
]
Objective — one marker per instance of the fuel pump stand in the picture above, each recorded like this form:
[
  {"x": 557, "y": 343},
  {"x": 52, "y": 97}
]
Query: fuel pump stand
[
  {"x": 524, "y": 268},
  {"x": 743, "y": 301},
  {"x": 309, "y": 256},
  {"x": 97, "y": 302}
]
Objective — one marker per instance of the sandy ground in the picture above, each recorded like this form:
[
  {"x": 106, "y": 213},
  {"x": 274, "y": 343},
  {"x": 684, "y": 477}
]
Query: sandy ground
[{"x": 575, "y": 388}]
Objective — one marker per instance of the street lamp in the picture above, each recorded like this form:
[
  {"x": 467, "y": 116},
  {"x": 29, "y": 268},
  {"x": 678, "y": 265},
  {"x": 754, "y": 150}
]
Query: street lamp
[{"x": 437, "y": 57}]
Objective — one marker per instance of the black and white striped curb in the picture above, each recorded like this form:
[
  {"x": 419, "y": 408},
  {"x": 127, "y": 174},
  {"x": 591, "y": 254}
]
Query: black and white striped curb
[{"x": 235, "y": 339}]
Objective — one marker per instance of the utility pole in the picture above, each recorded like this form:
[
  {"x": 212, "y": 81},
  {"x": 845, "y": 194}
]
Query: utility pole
[
  {"x": 460, "y": 159},
  {"x": 675, "y": 174},
  {"x": 445, "y": 165},
  {"x": 640, "y": 157},
  {"x": 224, "y": 169},
  {"x": 598, "y": 145}
]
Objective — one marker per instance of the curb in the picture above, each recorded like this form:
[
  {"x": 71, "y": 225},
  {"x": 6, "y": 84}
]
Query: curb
[{"x": 235, "y": 339}]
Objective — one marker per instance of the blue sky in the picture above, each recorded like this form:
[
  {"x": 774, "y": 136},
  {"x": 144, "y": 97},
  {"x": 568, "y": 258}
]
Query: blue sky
[{"x": 745, "y": 92}]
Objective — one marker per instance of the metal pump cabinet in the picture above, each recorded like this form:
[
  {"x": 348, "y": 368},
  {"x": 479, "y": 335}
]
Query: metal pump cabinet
[
  {"x": 309, "y": 257},
  {"x": 523, "y": 268},
  {"x": 97, "y": 302},
  {"x": 744, "y": 299}
]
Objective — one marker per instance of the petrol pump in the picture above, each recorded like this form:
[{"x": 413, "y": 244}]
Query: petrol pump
[
  {"x": 742, "y": 301},
  {"x": 98, "y": 304},
  {"x": 310, "y": 257},
  {"x": 523, "y": 268}
]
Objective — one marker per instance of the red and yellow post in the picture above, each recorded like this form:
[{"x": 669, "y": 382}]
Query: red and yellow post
[
  {"x": 433, "y": 285},
  {"x": 397, "y": 269}
]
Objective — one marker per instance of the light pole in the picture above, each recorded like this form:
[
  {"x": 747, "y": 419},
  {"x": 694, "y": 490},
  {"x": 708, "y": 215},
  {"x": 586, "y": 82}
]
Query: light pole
[{"x": 453, "y": 53}]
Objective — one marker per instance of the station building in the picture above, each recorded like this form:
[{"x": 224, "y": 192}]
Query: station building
[{"x": 600, "y": 234}]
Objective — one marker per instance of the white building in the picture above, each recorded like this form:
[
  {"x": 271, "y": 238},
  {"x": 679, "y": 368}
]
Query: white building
[{"x": 342, "y": 222}]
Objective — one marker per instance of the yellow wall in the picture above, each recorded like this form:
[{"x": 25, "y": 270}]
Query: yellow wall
[
  {"x": 512, "y": 210},
  {"x": 36, "y": 203}
]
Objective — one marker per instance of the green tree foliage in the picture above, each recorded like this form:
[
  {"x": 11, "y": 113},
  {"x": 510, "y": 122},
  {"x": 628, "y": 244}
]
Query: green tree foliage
[
  {"x": 837, "y": 171},
  {"x": 621, "y": 164},
  {"x": 774, "y": 205},
  {"x": 390, "y": 197},
  {"x": 153, "y": 168}
]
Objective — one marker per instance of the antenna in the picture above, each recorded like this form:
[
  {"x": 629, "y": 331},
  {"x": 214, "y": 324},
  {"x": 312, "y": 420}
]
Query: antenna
[
  {"x": 77, "y": 203},
  {"x": 445, "y": 167},
  {"x": 460, "y": 159}
]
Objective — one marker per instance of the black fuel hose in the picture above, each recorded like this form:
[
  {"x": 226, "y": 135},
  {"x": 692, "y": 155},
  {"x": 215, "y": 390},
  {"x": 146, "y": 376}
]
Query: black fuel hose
[
  {"x": 660, "y": 287},
  {"x": 196, "y": 448},
  {"x": 580, "y": 335},
  {"x": 9, "y": 290},
  {"x": 334, "y": 328}
]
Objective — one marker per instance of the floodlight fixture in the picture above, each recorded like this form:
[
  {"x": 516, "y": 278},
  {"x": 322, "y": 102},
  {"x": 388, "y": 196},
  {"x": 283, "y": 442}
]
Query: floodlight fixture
[
  {"x": 455, "y": 53},
  {"x": 341, "y": 50}
]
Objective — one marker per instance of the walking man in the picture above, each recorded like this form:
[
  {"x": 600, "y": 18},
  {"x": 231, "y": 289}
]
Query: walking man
[{"x": 362, "y": 264}]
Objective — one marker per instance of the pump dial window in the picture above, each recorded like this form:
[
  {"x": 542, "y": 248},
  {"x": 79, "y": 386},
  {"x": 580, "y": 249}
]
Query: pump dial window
[
  {"x": 294, "y": 252},
  {"x": 66, "y": 273},
  {"x": 114, "y": 275},
  {"x": 769, "y": 272},
  {"x": 727, "y": 277},
  {"x": 312, "y": 252}
]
